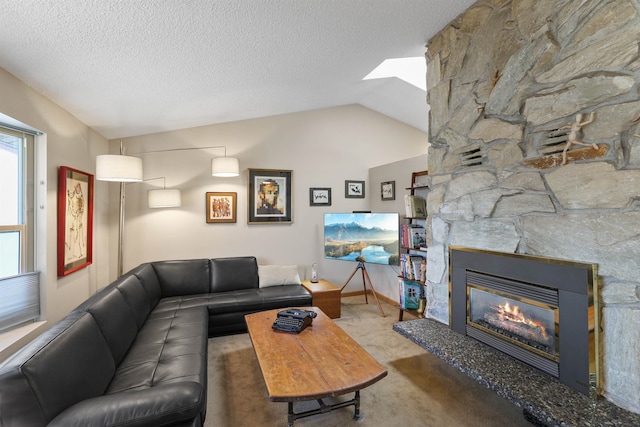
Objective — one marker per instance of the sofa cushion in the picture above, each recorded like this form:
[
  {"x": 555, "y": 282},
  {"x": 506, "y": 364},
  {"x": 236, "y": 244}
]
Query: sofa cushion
[
  {"x": 278, "y": 275},
  {"x": 149, "y": 281},
  {"x": 286, "y": 296},
  {"x": 171, "y": 347},
  {"x": 183, "y": 277},
  {"x": 68, "y": 363},
  {"x": 116, "y": 322},
  {"x": 177, "y": 302},
  {"x": 176, "y": 404},
  {"x": 251, "y": 300},
  {"x": 234, "y": 273},
  {"x": 136, "y": 297}
]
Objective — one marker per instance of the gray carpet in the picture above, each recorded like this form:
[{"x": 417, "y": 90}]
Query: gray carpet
[{"x": 419, "y": 390}]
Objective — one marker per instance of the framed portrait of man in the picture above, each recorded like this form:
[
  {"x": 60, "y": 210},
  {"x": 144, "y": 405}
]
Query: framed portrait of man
[{"x": 270, "y": 196}]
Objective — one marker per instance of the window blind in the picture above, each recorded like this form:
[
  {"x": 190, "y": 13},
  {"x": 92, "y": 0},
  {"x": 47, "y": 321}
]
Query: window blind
[
  {"x": 19, "y": 300},
  {"x": 15, "y": 125}
]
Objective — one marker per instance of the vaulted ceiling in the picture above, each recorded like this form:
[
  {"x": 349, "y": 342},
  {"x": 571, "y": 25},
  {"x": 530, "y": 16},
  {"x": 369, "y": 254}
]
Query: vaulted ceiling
[{"x": 133, "y": 67}]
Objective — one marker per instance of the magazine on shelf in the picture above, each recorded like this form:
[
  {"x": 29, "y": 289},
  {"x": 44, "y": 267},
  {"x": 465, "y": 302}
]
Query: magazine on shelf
[
  {"x": 418, "y": 237},
  {"x": 415, "y": 206},
  {"x": 413, "y": 236},
  {"x": 409, "y": 294},
  {"x": 414, "y": 267}
]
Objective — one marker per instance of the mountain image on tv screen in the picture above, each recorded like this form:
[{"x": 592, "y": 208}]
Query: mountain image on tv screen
[{"x": 362, "y": 237}]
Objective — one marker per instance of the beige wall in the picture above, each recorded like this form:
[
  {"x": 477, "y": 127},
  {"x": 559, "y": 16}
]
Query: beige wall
[
  {"x": 67, "y": 142},
  {"x": 385, "y": 279},
  {"x": 323, "y": 148}
]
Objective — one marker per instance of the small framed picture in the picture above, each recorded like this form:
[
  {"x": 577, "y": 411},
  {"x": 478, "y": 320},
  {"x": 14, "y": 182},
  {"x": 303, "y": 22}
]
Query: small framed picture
[
  {"x": 319, "y": 197},
  {"x": 354, "y": 189},
  {"x": 270, "y": 196},
  {"x": 75, "y": 220},
  {"x": 388, "y": 190},
  {"x": 221, "y": 207}
]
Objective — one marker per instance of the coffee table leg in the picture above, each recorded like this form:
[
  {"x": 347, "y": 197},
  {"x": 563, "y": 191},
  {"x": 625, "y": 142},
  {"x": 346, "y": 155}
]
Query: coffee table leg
[
  {"x": 356, "y": 414},
  {"x": 291, "y": 416}
]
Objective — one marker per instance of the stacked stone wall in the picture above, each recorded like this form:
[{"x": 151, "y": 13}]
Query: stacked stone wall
[{"x": 506, "y": 80}]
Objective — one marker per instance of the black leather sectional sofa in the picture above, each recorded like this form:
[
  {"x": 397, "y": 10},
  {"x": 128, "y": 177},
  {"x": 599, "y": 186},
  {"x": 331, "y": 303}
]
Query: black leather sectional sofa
[{"x": 135, "y": 354}]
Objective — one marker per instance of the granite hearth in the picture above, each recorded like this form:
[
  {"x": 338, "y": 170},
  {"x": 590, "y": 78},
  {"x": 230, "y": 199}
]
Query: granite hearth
[{"x": 544, "y": 400}]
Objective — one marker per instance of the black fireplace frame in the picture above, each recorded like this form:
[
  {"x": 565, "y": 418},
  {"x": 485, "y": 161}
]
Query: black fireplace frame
[{"x": 576, "y": 284}]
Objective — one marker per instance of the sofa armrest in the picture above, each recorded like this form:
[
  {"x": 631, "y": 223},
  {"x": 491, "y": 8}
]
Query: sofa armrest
[{"x": 159, "y": 405}]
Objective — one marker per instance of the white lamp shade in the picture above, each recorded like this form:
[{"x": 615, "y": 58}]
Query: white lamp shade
[
  {"x": 225, "y": 167},
  {"x": 118, "y": 168},
  {"x": 164, "y": 198}
]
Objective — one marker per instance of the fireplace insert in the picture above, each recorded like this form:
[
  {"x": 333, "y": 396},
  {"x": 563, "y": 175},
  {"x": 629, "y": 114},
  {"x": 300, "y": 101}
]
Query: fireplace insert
[
  {"x": 521, "y": 321},
  {"x": 541, "y": 311}
]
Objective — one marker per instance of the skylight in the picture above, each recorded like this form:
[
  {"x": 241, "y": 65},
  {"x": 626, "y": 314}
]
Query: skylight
[{"x": 412, "y": 70}]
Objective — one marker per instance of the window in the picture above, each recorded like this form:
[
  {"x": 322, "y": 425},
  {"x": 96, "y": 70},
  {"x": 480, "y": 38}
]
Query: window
[{"x": 19, "y": 289}]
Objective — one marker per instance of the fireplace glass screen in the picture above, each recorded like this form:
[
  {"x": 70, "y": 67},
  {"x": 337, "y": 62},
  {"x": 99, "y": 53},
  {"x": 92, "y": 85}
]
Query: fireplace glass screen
[{"x": 520, "y": 321}]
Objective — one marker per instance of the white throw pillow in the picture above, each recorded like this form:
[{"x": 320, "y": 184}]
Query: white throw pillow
[{"x": 278, "y": 275}]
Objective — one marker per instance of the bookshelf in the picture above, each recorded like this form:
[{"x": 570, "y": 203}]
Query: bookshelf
[{"x": 413, "y": 244}]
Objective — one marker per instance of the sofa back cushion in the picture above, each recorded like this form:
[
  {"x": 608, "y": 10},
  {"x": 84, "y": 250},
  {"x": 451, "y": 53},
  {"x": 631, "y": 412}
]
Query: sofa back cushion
[
  {"x": 68, "y": 363},
  {"x": 116, "y": 322},
  {"x": 183, "y": 277},
  {"x": 234, "y": 273},
  {"x": 136, "y": 297},
  {"x": 149, "y": 281}
]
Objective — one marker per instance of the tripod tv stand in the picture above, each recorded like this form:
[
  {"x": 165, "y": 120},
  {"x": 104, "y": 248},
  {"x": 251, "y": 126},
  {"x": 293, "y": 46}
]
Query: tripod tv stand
[{"x": 365, "y": 279}]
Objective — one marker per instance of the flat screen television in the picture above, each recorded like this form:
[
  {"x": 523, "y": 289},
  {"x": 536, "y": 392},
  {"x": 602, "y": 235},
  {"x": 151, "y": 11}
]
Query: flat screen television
[{"x": 362, "y": 237}]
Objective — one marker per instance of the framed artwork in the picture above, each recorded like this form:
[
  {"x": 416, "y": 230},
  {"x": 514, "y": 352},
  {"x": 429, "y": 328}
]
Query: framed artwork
[
  {"x": 320, "y": 197},
  {"x": 354, "y": 189},
  {"x": 388, "y": 190},
  {"x": 221, "y": 207},
  {"x": 270, "y": 196},
  {"x": 75, "y": 220}
]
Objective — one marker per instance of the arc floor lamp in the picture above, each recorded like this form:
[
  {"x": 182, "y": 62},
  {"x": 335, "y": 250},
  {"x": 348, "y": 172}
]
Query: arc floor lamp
[
  {"x": 123, "y": 169},
  {"x": 119, "y": 168}
]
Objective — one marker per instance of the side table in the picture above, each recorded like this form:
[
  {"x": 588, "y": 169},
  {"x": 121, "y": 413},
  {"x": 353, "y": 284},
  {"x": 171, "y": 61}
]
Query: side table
[{"x": 325, "y": 295}]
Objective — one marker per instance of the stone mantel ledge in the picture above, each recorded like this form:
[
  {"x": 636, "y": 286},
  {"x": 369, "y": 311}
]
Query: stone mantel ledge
[{"x": 544, "y": 400}]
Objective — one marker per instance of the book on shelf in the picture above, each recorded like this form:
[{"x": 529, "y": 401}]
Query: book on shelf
[
  {"x": 413, "y": 236},
  {"x": 413, "y": 267},
  {"x": 418, "y": 237},
  {"x": 409, "y": 294},
  {"x": 415, "y": 206}
]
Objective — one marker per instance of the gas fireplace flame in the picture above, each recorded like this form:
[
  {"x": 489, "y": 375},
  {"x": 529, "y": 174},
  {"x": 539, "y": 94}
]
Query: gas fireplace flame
[{"x": 508, "y": 313}]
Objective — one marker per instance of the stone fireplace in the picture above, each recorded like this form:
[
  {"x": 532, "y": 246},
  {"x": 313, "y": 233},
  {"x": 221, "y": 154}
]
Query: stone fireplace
[
  {"x": 506, "y": 81},
  {"x": 540, "y": 311}
]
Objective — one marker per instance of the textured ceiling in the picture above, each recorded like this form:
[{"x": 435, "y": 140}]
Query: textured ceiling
[{"x": 133, "y": 67}]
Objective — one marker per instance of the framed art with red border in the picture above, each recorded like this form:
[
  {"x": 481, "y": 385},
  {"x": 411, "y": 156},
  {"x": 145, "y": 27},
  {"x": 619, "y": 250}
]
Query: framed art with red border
[{"x": 75, "y": 220}]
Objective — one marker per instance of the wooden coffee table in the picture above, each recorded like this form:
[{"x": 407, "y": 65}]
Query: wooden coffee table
[{"x": 321, "y": 361}]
